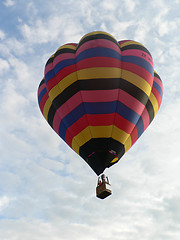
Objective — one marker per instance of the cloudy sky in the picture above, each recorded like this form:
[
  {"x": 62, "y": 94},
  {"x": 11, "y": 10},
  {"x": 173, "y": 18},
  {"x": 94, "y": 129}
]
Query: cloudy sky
[{"x": 46, "y": 190}]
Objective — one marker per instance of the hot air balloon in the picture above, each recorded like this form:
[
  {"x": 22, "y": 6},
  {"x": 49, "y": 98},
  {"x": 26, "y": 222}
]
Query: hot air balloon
[{"x": 99, "y": 96}]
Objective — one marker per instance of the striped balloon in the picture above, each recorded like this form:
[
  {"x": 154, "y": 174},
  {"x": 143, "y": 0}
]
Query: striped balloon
[{"x": 99, "y": 96}]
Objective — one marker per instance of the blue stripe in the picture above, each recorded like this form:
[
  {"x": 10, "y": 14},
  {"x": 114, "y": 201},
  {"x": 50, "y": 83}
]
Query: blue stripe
[
  {"x": 139, "y": 61},
  {"x": 97, "y": 108},
  {"x": 140, "y": 126},
  {"x": 49, "y": 75},
  {"x": 71, "y": 118},
  {"x": 98, "y": 52},
  {"x": 41, "y": 95},
  {"x": 127, "y": 113},
  {"x": 100, "y": 107},
  {"x": 62, "y": 130},
  {"x": 158, "y": 88},
  {"x": 88, "y": 53},
  {"x": 63, "y": 64}
]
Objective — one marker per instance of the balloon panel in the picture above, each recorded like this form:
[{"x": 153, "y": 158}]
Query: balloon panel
[{"x": 99, "y": 96}]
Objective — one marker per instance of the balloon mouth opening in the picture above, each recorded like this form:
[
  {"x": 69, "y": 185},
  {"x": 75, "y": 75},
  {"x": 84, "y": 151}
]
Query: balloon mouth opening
[
  {"x": 100, "y": 160},
  {"x": 108, "y": 151}
]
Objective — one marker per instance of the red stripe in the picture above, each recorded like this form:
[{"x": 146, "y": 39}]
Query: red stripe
[
  {"x": 56, "y": 122},
  {"x": 58, "y": 59},
  {"x": 134, "y": 135},
  {"x": 75, "y": 129},
  {"x": 98, "y": 62},
  {"x": 68, "y": 138},
  {"x": 123, "y": 41},
  {"x": 73, "y": 44},
  {"x": 98, "y": 120},
  {"x": 48, "y": 68},
  {"x": 140, "y": 71},
  {"x": 138, "y": 53},
  {"x": 41, "y": 88},
  {"x": 100, "y": 95},
  {"x": 130, "y": 102},
  {"x": 159, "y": 82},
  {"x": 69, "y": 105},
  {"x": 98, "y": 43},
  {"x": 51, "y": 83},
  {"x": 43, "y": 101},
  {"x": 84, "y": 64},
  {"x": 87, "y": 45},
  {"x": 123, "y": 124},
  {"x": 145, "y": 118},
  {"x": 157, "y": 96},
  {"x": 59, "y": 76}
]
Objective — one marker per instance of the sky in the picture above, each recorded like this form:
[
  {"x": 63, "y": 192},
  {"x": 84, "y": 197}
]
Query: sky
[{"x": 46, "y": 190}]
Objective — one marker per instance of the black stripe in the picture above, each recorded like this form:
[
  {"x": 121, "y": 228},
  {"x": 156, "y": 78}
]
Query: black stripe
[
  {"x": 100, "y": 84},
  {"x": 50, "y": 60},
  {"x": 42, "y": 82},
  {"x": 96, "y": 153},
  {"x": 51, "y": 114},
  {"x": 96, "y": 84},
  {"x": 58, "y": 52},
  {"x": 157, "y": 76},
  {"x": 150, "y": 110},
  {"x": 134, "y": 91},
  {"x": 135, "y": 46},
  {"x": 64, "y": 50},
  {"x": 66, "y": 94},
  {"x": 91, "y": 84},
  {"x": 97, "y": 36}
]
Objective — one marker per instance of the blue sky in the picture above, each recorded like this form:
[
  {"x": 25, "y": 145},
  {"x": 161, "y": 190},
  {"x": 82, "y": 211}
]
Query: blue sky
[{"x": 46, "y": 190}]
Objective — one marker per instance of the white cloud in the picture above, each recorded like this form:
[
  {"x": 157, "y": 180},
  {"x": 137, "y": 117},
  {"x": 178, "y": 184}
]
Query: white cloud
[
  {"x": 4, "y": 66},
  {"x": 4, "y": 201},
  {"x": 9, "y": 3},
  {"x": 130, "y": 5},
  {"x": 17, "y": 47},
  {"x": 50, "y": 30},
  {"x": 109, "y": 5},
  {"x": 2, "y": 35},
  {"x": 142, "y": 31}
]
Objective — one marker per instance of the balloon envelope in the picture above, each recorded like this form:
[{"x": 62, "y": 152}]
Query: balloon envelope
[{"x": 99, "y": 96}]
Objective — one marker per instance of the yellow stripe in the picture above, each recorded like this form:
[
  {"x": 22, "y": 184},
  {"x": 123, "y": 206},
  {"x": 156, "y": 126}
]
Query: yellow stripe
[
  {"x": 67, "y": 81},
  {"x": 130, "y": 43},
  {"x": 99, "y": 72},
  {"x": 115, "y": 160},
  {"x": 75, "y": 147},
  {"x": 154, "y": 102},
  {"x": 119, "y": 135},
  {"x": 96, "y": 32},
  {"x": 62, "y": 85},
  {"x": 137, "y": 81},
  {"x": 67, "y": 46},
  {"x": 54, "y": 92},
  {"x": 81, "y": 138},
  {"x": 128, "y": 143},
  {"x": 101, "y": 131},
  {"x": 84, "y": 74},
  {"x": 46, "y": 108}
]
